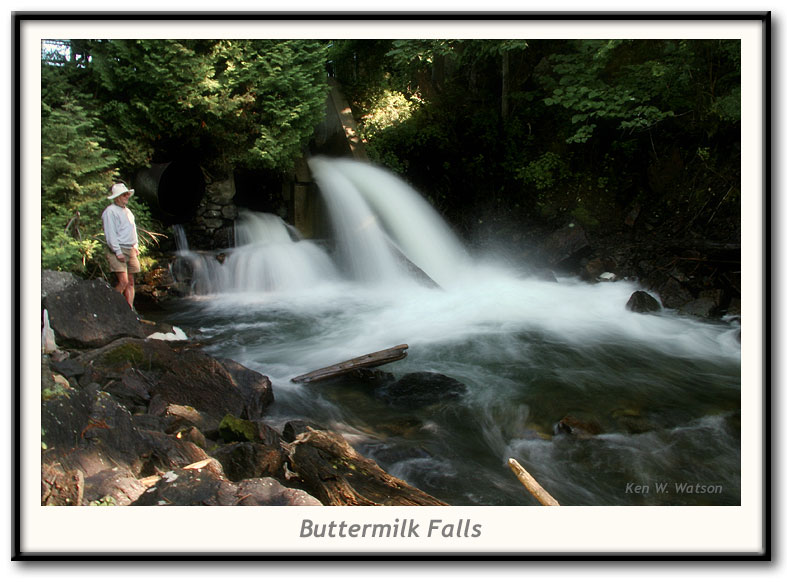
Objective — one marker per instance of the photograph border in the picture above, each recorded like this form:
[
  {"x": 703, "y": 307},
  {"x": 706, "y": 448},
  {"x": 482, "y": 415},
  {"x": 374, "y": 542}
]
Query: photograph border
[{"x": 23, "y": 293}]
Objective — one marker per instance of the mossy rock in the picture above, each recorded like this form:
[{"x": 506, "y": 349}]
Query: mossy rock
[{"x": 233, "y": 429}]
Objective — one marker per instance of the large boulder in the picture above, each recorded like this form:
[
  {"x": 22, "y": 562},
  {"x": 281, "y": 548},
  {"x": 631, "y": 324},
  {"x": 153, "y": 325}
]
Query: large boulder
[
  {"x": 156, "y": 372},
  {"x": 564, "y": 247},
  {"x": 56, "y": 281},
  {"x": 90, "y": 314}
]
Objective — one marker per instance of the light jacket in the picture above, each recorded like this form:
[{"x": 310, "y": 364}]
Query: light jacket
[{"x": 120, "y": 229}]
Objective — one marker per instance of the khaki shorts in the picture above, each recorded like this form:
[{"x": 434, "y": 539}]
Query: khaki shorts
[{"x": 130, "y": 266}]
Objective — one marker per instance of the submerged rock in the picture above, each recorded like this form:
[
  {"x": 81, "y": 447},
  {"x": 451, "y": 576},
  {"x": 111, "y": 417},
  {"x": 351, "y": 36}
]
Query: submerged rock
[
  {"x": 642, "y": 302},
  {"x": 576, "y": 427},
  {"x": 422, "y": 389}
]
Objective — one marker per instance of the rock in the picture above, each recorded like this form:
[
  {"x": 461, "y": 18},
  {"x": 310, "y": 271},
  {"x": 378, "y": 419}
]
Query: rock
[
  {"x": 708, "y": 304},
  {"x": 90, "y": 314},
  {"x": 673, "y": 294},
  {"x": 196, "y": 487},
  {"x": 113, "y": 487},
  {"x": 595, "y": 269},
  {"x": 131, "y": 390},
  {"x": 163, "y": 452},
  {"x": 703, "y": 307},
  {"x": 60, "y": 487},
  {"x": 642, "y": 302},
  {"x": 578, "y": 428},
  {"x": 184, "y": 376},
  {"x": 182, "y": 417},
  {"x": 422, "y": 389},
  {"x": 269, "y": 492},
  {"x": 734, "y": 308},
  {"x": 189, "y": 487},
  {"x": 56, "y": 281},
  {"x": 564, "y": 246},
  {"x": 332, "y": 471},
  {"x": 251, "y": 460},
  {"x": 70, "y": 368},
  {"x": 255, "y": 388}
]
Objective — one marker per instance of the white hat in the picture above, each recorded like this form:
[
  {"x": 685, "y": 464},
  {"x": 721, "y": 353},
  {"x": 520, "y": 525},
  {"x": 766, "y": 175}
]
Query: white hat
[{"x": 119, "y": 189}]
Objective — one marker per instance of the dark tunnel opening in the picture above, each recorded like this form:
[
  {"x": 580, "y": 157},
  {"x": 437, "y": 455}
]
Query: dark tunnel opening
[{"x": 172, "y": 190}]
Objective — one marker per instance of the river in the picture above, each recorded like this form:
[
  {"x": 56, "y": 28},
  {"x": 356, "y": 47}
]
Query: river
[{"x": 661, "y": 390}]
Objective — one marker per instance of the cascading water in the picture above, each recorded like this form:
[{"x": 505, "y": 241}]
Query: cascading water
[
  {"x": 663, "y": 389},
  {"x": 268, "y": 257}
]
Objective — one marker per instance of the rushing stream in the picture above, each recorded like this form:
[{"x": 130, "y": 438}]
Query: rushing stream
[{"x": 663, "y": 390}]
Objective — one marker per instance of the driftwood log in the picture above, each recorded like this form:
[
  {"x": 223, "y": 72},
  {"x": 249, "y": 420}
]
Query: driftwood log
[
  {"x": 333, "y": 472},
  {"x": 535, "y": 489},
  {"x": 366, "y": 361}
]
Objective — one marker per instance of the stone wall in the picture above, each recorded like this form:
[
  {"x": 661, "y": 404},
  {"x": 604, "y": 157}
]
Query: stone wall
[{"x": 214, "y": 224}]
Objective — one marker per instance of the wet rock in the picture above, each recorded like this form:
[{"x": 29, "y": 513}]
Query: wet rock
[
  {"x": 90, "y": 314},
  {"x": 422, "y": 389},
  {"x": 642, "y": 302},
  {"x": 369, "y": 377},
  {"x": 703, "y": 307},
  {"x": 673, "y": 294},
  {"x": 578, "y": 428},
  {"x": 708, "y": 304},
  {"x": 565, "y": 246},
  {"x": 596, "y": 268}
]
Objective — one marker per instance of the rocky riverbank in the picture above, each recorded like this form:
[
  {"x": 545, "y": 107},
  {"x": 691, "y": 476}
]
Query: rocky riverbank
[
  {"x": 132, "y": 414},
  {"x": 135, "y": 414}
]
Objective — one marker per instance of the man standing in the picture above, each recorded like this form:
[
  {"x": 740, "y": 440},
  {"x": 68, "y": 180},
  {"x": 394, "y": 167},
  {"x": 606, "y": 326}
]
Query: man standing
[{"x": 120, "y": 231}]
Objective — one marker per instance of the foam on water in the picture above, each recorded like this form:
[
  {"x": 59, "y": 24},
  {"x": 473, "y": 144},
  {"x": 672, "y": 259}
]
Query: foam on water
[{"x": 529, "y": 351}]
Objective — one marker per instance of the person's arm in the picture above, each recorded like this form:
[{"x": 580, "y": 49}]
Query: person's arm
[{"x": 110, "y": 233}]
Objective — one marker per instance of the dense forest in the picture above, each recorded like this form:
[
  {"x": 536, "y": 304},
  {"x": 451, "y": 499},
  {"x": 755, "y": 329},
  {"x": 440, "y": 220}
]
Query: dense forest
[{"x": 621, "y": 136}]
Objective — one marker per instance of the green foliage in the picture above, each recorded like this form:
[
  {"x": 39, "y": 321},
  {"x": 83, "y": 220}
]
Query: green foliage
[
  {"x": 249, "y": 102},
  {"x": 73, "y": 163},
  {"x": 637, "y": 85},
  {"x": 545, "y": 171}
]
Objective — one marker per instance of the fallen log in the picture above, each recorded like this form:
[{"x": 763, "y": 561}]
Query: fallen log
[
  {"x": 535, "y": 489},
  {"x": 330, "y": 470},
  {"x": 366, "y": 361}
]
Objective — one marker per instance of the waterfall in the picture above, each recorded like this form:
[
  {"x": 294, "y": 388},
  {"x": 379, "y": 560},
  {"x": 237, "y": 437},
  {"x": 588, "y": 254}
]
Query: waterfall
[
  {"x": 377, "y": 216},
  {"x": 269, "y": 256},
  {"x": 665, "y": 389}
]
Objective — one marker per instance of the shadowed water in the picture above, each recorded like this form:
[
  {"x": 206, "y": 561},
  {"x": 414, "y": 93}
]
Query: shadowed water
[{"x": 663, "y": 390}]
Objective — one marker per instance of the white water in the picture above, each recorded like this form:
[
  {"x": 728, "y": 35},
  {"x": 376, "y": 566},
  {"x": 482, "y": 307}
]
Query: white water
[
  {"x": 529, "y": 351},
  {"x": 372, "y": 209}
]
